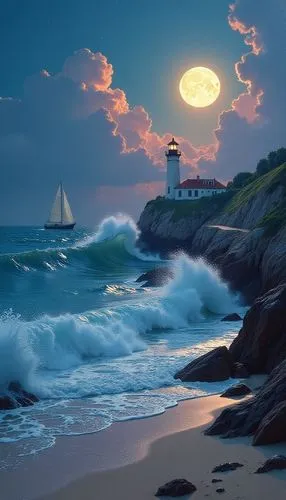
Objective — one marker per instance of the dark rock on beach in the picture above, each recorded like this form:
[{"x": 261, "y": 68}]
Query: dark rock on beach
[
  {"x": 215, "y": 365},
  {"x": 220, "y": 490},
  {"x": 261, "y": 342},
  {"x": 216, "y": 481},
  {"x": 258, "y": 414},
  {"x": 236, "y": 390},
  {"x": 232, "y": 317},
  {"x": 228, "y": 466},
  {"x": 16, "y": 396},
  {"x": 156, "y": 277},
  {"x": 176, "y": 488},
  {"x": 277, "y": 462},
  {"x": 272, "y": 428}
]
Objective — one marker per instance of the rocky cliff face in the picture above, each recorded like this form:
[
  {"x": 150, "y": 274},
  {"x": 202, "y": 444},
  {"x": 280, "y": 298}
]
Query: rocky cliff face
[{"x": 245, "y": 235}]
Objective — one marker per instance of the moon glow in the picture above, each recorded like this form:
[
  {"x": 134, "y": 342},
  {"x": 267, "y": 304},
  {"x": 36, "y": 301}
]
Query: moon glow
[{"x": 199, "y": 87}]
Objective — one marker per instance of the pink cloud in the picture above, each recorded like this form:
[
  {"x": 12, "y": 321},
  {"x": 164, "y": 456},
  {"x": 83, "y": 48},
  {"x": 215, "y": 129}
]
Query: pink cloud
[
  {"x": 88, "y": 67},
  {"x": 251, "y": 36},
  {"x": 247, "y": 103}
]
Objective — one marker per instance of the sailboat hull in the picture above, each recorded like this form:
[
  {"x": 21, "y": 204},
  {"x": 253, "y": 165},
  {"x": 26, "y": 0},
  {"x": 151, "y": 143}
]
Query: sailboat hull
[{"x": 59, "y": 226}]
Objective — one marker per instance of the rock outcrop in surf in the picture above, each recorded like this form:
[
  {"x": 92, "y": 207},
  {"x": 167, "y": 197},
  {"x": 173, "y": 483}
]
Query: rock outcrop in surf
[
  {"x": 16, "y": 396},
  {"x": 259, "y": 346}
]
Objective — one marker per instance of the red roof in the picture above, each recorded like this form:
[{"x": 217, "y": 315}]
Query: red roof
[{"x": 200, "y": 184}]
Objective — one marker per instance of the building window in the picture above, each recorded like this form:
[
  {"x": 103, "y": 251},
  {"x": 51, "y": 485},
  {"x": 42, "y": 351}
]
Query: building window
[
  {"x": 180, "y": 194},
  {"x": 196, "y": 193},
  {"x": 190, "y": 193},
  {"x": 168, "y": 189}
]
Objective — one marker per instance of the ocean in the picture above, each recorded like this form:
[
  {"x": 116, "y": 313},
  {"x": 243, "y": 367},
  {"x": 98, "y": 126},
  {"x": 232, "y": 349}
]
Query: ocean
[{"x": 94, "y": 345}]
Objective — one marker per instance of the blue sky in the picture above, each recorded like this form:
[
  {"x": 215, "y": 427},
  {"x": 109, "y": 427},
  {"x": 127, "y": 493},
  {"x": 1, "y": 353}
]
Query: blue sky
[{"x": 149, "y": 43}]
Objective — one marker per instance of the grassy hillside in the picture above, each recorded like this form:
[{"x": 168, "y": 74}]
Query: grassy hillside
[
  {"x": 269, "y": 181},
  {"x": 274, "y": 220}
]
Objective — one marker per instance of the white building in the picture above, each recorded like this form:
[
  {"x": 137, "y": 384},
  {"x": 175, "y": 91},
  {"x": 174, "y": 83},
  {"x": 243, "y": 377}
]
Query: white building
[{"x": 190, "y": 189}]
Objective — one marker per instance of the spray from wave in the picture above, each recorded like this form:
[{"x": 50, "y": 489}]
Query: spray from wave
[{"x": 29, "y": 349}]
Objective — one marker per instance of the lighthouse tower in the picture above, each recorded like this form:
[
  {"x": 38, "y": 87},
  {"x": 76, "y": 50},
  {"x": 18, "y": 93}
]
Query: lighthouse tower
[{"x": 173, "y": 169}]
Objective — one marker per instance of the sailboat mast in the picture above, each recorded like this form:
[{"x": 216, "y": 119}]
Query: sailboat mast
[{"x": 62, "y": 202}]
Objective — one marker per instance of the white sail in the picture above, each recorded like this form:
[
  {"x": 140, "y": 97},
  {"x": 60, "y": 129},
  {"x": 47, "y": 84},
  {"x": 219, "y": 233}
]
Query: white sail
[
  {"x": 56, "y": 212},
  {"x": 67, "y": 216},
  {"x": 61, "y": 212}
]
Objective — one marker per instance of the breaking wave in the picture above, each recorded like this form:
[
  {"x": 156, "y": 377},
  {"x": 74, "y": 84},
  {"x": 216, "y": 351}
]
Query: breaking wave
[
  {"x": 114, "y": 243},
  {"x": 33, "y": 351}
]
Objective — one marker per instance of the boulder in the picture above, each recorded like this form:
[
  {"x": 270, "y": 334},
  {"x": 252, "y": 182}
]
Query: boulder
[
  {"x": 232, "y": 317},
  {"x": 277, "y": 462},
  {"x": 216, "y": 480},
  {"x": 213, "y": 366},
  {"x": 228, "y": 466},
  {"x": 261, "y": 342},
  {"x": 272, "y": 428},
  {"x": 236, "y": 390},
  {"x": 156, "y": 277},
  {"x": 220, "y": 490},
  {"x": 176, "y": 488},
  {"x": 7, "y": 403},
  {"x": 248, "y": 417},
  {"x": 16, "y": 396}
]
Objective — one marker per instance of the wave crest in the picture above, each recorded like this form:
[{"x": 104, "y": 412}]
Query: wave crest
[{"x": 113, "y": 243}]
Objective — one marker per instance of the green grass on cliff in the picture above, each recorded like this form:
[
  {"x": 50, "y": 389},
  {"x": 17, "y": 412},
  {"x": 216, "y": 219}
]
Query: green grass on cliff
[
  {"x": 274, "y": 220},
  {"x": 186, "y": 208},
  {"x": 269, "y": 181}
]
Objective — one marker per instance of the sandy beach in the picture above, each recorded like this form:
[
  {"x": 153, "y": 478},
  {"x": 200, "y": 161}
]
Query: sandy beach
[
  {"x": 131, "y": 459},
  {"x": 173, "y": 446}
]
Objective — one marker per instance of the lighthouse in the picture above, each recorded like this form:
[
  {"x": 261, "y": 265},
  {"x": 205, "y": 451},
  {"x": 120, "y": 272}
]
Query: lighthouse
[{"x": 173, "y": 169}]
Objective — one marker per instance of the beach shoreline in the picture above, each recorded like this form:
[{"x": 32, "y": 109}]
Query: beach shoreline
[
  {"x": 135, "y": 457},
  {"x": 176, "y": 456}
]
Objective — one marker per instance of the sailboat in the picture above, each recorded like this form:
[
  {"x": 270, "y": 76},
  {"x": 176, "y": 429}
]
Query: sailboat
[{"x": 61, "y": 215}]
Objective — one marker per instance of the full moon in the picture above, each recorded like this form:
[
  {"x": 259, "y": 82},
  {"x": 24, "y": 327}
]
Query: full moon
[{"x": 199, "y": 87}]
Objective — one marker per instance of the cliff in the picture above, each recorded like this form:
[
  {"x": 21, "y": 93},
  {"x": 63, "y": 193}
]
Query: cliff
[{"x": 243, "y": 233}]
